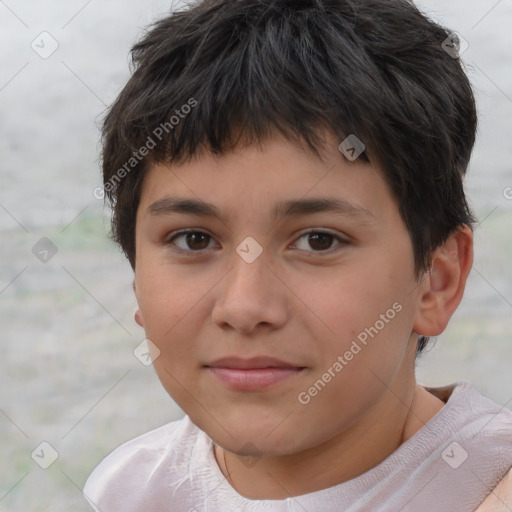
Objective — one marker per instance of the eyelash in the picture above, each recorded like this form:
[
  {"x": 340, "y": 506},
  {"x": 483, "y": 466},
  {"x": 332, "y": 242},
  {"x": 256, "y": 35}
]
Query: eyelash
[{"x": 173, "y": 237}]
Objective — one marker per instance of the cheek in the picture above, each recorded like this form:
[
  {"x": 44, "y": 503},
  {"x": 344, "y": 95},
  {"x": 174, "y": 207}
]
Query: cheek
[
  {"x": 348, "y": 302},
  {"x": 172, "y": 323},
  {"x": 365, "y": 323},
  {"x": 167, "y": 295}
]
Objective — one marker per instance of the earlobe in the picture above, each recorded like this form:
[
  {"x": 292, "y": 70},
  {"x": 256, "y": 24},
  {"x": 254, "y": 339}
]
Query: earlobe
[
  {"x": 138, "y": 317},
  {"x": 137, "y": 314},
  {"x": 444, "y": 284}
]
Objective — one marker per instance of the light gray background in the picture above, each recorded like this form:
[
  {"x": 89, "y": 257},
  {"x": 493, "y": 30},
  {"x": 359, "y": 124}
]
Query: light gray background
[{"x": 68, "y": 373}]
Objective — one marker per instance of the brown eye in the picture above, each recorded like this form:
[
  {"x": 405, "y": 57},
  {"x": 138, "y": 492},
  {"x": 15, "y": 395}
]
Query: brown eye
[
  {"x": 319, "y": 241},
  {"x": 196, "y": 240},
  {"x": 191, "y": 241}
]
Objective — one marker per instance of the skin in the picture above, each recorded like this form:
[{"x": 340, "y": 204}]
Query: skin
[{"x": 300, "y": 301}]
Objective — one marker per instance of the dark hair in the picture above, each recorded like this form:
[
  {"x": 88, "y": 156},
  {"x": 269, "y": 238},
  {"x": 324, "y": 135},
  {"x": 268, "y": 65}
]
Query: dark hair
[{"x": 241, "y": 70}]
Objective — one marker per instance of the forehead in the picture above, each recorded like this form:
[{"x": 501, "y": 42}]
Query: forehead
[{"x": 276, "y": 180}]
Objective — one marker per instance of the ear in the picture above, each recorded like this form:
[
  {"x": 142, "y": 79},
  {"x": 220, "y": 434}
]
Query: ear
[
  {"x": 442, "y": 288},
  {"x": 137, "y": 315}
]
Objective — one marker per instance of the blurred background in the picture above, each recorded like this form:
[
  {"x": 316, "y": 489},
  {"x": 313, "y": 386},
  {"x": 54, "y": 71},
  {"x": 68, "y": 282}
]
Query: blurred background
[{"x": 69, "y": 376}]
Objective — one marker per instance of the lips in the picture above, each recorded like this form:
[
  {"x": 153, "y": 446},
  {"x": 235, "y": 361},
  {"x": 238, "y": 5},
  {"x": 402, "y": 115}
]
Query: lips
[
  {"x": 255, "y": 374},
  {"x": 251, "y": 364}
]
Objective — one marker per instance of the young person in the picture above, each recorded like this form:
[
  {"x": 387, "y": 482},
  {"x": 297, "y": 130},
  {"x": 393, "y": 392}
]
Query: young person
[{"x": 287, "y": 184}]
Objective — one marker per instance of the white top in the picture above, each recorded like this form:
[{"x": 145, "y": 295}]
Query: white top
[{"x": 451, "y": 464}]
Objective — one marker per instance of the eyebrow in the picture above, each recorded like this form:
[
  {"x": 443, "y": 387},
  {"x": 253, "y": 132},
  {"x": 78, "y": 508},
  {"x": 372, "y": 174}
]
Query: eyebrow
[{"x": 289, "y": 208}]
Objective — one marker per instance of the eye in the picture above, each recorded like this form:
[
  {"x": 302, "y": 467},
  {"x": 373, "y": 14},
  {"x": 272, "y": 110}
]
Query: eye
[
  {"x": 191, "y": 241},
  {"x": 320, "y": 241}
]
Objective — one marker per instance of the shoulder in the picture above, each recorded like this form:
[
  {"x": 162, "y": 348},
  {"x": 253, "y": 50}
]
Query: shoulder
[
  {"x": 500, "y": 499},
  {"x": 124, "y": 478},
  {"x": 480, "y": 423},
  {"x": 471, "y": 434},
  {"x": 467, "y": 404}
]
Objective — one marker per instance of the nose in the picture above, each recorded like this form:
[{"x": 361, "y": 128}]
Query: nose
[{"x": 251, "y": 296}]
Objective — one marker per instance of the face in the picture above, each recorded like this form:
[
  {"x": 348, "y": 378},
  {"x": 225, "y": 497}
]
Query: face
[{"x": 313, "y": 306}]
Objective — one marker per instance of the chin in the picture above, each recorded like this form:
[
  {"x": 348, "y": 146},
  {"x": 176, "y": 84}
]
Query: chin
[{"x": 251, "y": 439}]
